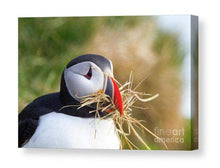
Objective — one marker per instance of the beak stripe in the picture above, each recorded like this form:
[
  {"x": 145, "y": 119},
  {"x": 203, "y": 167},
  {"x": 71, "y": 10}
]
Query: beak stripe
[{"x": 117, "y": 97}]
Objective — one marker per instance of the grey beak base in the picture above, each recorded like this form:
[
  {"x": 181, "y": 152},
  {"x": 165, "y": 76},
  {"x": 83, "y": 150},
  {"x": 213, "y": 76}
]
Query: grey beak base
[{"x": 109, "y": 88}]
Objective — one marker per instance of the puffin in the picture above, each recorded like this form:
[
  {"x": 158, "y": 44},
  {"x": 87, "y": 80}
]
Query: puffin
[{"x": 55, "y": 121}]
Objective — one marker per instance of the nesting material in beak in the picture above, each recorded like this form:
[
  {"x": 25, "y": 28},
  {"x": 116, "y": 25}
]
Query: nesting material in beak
[{"x": 119, "y": 102}]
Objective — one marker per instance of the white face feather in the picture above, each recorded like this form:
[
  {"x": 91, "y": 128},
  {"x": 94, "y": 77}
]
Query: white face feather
[{"x": 78, "y": 84}]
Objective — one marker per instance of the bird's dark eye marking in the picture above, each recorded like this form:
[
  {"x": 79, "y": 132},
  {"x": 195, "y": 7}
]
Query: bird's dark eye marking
[{"x": 89, "y": 74}]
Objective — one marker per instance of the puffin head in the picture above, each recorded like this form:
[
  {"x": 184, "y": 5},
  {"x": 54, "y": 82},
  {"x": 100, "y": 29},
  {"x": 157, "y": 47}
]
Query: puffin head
[{"x": 88, "y": 74}]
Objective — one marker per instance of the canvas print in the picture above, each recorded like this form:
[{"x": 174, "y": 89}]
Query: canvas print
[{"x": 113, "y": 82}]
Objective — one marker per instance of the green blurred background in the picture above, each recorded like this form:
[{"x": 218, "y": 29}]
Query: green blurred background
[{"x": 134, "y": 43}]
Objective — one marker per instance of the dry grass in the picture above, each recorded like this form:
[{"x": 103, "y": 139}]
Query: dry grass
[{"x": 125, "y": 124}]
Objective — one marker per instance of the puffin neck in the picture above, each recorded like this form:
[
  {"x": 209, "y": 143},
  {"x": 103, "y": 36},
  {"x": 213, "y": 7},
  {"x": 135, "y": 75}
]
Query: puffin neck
[{"x": 65, "y": 97}]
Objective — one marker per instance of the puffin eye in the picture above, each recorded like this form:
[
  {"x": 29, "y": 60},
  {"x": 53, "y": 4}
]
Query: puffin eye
[{"x": 89, "y": 74}]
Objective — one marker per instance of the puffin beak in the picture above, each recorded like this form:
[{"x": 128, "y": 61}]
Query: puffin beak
[{"x": 113, "y": 91}]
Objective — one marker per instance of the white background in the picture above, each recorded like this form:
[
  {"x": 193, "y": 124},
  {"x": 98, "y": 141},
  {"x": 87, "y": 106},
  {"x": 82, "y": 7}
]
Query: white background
[{"x": 209, "y": 23}]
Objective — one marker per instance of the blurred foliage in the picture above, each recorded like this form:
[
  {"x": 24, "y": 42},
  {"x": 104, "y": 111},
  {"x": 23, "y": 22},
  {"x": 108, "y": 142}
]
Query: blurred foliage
[
  {"x": 118, "y": 21},
  {"x": 134, "y": 44},
  {"x": 163, "y": 41},
  {"x": 40, "y": 41}
]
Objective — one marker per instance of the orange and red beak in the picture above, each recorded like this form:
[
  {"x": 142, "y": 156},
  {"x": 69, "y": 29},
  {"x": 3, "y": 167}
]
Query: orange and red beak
[{"x": 113, "y": 91}]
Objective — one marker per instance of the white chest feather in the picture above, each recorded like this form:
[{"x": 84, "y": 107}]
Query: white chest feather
[{"x": 63, "y": 131}]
